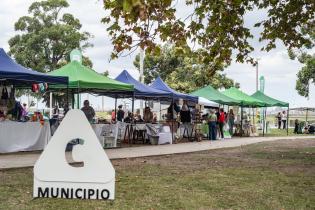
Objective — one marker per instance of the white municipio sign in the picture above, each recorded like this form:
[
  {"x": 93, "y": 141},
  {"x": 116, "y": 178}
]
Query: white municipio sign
[{"x": 93, "y": 178}]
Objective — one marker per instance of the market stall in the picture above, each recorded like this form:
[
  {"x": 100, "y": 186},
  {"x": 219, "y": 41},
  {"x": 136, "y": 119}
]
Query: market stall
[
  {"x": 19, "y": 132},
  {"x": 83, "y": 79},
  {"x": 174, "y": 122},
  {"x": 139, "y": 131},
  {"x": 245, "y": 126},
  {"x": 214, "y": 95},
  {"x": 271, "y": 102}
]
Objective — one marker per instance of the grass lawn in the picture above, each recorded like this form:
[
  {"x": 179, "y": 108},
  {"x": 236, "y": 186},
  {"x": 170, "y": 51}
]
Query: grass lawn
[
  {"x": 281, "y": 132},
  {"x": 270, "y": 175}
]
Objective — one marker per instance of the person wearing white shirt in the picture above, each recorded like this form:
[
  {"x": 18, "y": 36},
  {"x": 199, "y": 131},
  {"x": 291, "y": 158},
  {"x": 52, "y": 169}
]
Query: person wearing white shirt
[{"x": 284, "y": 119}]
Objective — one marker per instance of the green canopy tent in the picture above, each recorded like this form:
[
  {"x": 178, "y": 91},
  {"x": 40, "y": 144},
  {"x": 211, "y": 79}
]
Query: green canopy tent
[
  {"x": 270, "y": 102},
  {"x": 84, "y": 79},
  {"x": 245, "y": 100},
  {"x": 212, "y": 94}
]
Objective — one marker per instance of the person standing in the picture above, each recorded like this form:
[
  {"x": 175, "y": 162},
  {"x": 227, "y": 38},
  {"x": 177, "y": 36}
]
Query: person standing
[
  {"x": 88, "y": 110},
  {"x": 120, "y": 113},
  {"x": 284, "y": 119},
  {"x": 221, "y": 121},
  {"x": 212, "y": 123},
  {"x": 113, "y": 116},
  {"x": 217, "y": 113},
  {"x": 231, "y": 119},
  {"x": 279, "y": 118},
  {"x": 148, "y": 115}
]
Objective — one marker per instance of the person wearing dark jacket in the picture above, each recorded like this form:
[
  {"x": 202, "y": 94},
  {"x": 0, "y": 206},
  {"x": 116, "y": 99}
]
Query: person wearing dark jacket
[
  {"x": 185, "y": 115},
  {"x": 120, "y": 113}
]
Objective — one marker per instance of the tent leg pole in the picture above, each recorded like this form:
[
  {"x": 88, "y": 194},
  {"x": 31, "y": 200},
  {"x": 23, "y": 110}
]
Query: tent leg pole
[
  {"x": 253, "y": 116},
  {"x": 72, "y": 94},
  {"x": 50, "y": 104},
  {"x": 133, "y": 103},
  {"x": 263, "y": 122},
  {"x": 241, "y": 130},
  {"x": 115, "y": 108},
  {"x": 266, "y": 118},
  {"x": 160, "y": 110},
  {"x": 78, "y": 99},
  {"x": 288, "y": 121},
  {"x": 172, "y": 120},
  {"x": 67, "y": 96}
]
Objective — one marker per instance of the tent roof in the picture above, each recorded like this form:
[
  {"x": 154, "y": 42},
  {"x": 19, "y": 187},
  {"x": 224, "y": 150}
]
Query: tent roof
[
  {"x": 212, "y": 94},
  {"x": 267, "y": 99},
  {"x": 245, "y": 99},
  {"x": 141, "y": 90},
  {"x": 207, "y": 103},
  {"x": 161, "y": 85},
  {"x": 17, "y": 74},
  {"x": 86, "y": 79}
]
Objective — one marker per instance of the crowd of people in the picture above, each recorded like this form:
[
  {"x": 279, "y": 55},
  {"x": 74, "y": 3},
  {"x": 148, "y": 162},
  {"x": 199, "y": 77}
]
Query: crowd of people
[
  {"x": 148, "y": 116},
  {"x": 217, "y": 119}
]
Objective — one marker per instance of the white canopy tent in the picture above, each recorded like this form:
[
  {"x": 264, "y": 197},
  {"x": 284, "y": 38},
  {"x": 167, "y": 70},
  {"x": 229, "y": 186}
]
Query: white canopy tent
[{"x": 207, "y": 103}]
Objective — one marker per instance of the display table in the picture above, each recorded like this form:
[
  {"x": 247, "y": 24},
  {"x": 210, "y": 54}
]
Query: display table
[{"x": 23, "y": 136}]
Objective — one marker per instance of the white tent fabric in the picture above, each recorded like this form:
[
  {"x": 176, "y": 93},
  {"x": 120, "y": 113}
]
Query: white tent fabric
[{"x": 205, "y": 102}]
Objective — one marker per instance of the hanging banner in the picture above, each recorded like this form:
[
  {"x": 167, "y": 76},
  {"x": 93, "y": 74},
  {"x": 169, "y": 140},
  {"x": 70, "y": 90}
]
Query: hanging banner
[
  {"x": 84, "y": 173},
  {"x": 262, "y": 89},
  {"x": 262, "y": 84}
]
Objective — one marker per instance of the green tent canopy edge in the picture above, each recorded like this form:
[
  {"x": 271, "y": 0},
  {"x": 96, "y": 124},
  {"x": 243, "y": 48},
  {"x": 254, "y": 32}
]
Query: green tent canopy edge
[
  {"x": 245, "y": 100},
  {"x": 212, "y": 94},
  {"x": 85, "y": 78},
  {"x": 269, "y": 100}
]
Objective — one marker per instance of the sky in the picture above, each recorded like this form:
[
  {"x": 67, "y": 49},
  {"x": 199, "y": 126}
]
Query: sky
[{"x": 277, "y": 68}]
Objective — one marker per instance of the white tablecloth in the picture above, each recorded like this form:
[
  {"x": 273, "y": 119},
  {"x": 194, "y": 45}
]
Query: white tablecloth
[
  {"x": 23, "y": 136},
  {"x": 104, "y": 130}
]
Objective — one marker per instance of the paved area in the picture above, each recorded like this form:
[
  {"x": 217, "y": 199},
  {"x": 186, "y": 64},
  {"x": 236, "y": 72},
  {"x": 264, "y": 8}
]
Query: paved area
[{"x": 28, "y": 159}]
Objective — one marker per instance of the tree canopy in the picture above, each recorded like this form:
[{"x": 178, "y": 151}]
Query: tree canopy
[
  {"x": 182, "y": 72},
  {"x": 46, "y": 36},
  {"x": 306, "y": 75},
  {"x": 215, "y": 26}
]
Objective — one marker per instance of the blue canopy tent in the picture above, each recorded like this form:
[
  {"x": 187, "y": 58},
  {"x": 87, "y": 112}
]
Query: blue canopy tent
[
  {"x": 141, "y": 91},
  {"x": 13, "y": 73},
  {"x": 161, "y": 85}
]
